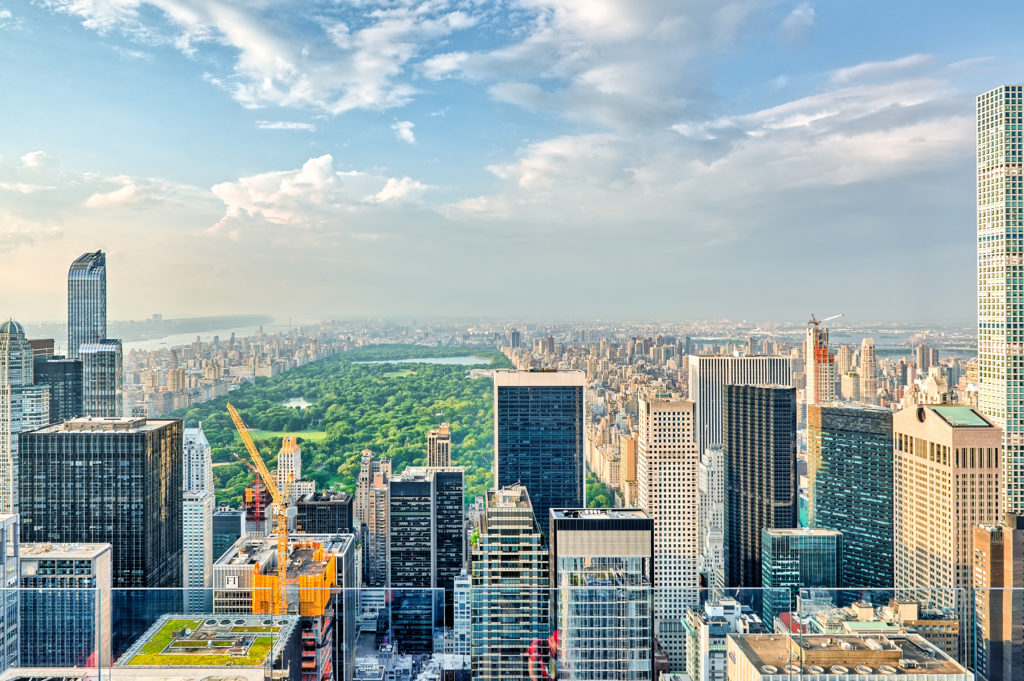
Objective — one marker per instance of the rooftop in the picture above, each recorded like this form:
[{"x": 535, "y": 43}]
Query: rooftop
[
  {"x": 818, "y": 654},
  {"x": 961, "y": 417},
  {"x": 211, "y": 641},
  {"x": 325, "y": 498},
  {"x": 95, "y": 424},
  {"x": 599, "y": 513},
  {"x": 62, "y": 551}
]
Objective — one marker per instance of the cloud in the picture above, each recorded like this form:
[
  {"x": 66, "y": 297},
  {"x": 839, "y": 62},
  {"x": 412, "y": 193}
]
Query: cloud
[
  {"x": 316, "y": 198},
  {"x": 285, "y": 125},
  {"x": 403, "y": 131},
  {"x": 277, "y": 59},
  {"x": 798, "y": 22},
  {"x": 882, "y": 69},
  {"x": 35, "y": 159}
]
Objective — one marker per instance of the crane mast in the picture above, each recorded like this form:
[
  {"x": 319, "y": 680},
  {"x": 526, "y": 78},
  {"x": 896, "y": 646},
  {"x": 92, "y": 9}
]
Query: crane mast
[{"x": 281, "y": 604}]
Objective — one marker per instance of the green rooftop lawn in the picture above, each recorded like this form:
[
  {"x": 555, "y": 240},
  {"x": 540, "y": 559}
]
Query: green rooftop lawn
[{"x": 153, "y": 655}]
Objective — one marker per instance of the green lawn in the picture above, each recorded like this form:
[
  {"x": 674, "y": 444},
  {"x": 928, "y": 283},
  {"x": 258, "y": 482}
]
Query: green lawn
[
  {"x": 273, "y": 439},
  {"x": 400, "y": 373},
  {"x": 153, "y": 655}
]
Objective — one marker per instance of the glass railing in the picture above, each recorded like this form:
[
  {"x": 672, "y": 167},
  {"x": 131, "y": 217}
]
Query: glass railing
[{"x": 601, "y": 629}]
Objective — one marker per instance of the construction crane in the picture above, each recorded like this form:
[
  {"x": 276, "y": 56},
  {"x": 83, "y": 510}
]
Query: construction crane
[
  {"x": 818, "y": 322},
  {"x": 280, "y": 501}
]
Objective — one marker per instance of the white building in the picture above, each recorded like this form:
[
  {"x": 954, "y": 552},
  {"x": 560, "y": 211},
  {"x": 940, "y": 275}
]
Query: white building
[
  {"x": 198, "y": 505},
  {"x": 707, "y": 630},
  {"x": 461, "y": 641},
  {"x": 23, "y": 406},
  {"x": 289, "y": 463},
  {"x": 707, "y": 375},
  {"x": 868, "y": 372},
  {"x": 666, "y": 473},
  {"x": 711, "y": 516},
  {"x": 1000, "y": 266}
]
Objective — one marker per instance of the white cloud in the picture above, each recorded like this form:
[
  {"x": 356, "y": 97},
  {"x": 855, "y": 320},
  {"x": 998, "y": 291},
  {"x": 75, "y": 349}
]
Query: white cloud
[
  {"x": 285, "y": 125},
  {"x": 397, "y": 189},
  {"x": 403, "y": 131},
  {"x": 798, "y": 22},
  {"x": 34, "y": 159},
  {"x": 882, "y": 69}
]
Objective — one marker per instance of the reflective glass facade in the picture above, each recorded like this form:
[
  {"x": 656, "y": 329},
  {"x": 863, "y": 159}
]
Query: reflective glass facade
[
  {"x": 797, "y": 559},
  {"x": 87, "y": 301}
]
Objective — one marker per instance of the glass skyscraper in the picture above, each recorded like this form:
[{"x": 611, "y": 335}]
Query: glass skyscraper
[
  {"x": 63, "y": 377},
  {"x": 87, "y": 301},
  {"x": 1000, "y": 136},
  {"x": 849, "y": 471},
  {"x": 538, "y": 437},
  {"x": 759, "y": 433},
  {"x": 797, "y": 559}
]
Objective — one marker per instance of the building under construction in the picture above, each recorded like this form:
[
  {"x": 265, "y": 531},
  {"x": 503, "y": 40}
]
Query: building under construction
[{"x": 319, "y": 588}]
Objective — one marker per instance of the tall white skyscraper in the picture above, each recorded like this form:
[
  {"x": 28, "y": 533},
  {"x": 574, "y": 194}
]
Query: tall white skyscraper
[
  {"x": 1000, "y": 272},
  {"x": 707, "y": 375},
  {"x": 711, "y": 515},
  {"x": 198, "y": 505},
  {"x": 666, "y": 472},
  {"x": 23, "y": 406},
  {"x": 868, "y": 372}
]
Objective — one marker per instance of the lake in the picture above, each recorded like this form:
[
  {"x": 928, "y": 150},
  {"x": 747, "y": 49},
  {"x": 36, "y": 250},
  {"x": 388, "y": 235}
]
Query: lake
[
  {"x": 458, "y": 361},
  {"x": 296, "y": 402}
]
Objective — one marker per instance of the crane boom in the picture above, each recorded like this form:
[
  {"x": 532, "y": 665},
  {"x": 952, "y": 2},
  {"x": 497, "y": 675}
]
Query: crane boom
[{"x": 281, "y": 606}]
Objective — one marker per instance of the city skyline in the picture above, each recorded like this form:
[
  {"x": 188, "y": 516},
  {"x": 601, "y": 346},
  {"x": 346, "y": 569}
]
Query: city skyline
[{"x": 309, "y": 148}]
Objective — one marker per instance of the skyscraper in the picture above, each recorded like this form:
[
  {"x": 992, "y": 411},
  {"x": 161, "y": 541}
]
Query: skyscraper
[
  {"x": 289, "y": 463},
  {"x": 760, "y": 474},
  {"x": 439, "y": 446},
  {"x": 946, "y": 479},
  {"x": 199, "y": 502},
  {"x": 1000, "y": 242},
  {"x": 999, "y": 599},
  {"x": 410, "y": 563},
  {"x": 868, "y": 372},
  {"x": 819, "y": 366},
  {"x": 102, "y": 379},
  {"x": 797, "y": 559},
  {"x": 711, "y": 516},
  {"x": 63, "y": 378},
  {"x": 324, "y": 513},
  {"x": 666, "y": 471},
  {"x": 707, "y": 377},
  {"x": 115, "y": 481},
  {"x": 538, "y": 437},
  {"x": 23, "y": 406},
  {"x": 228, "y": 526},
  {"x": 602, "y": 571},
  {"x": 510, "y": 587},
  {"x": 87, "y": 301},
  {"x": 849, "y": 471}
]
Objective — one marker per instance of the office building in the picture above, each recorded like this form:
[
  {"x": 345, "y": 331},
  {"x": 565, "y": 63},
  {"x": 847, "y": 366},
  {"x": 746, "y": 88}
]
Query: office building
[
  {"x": 792, "y": 560},
  {"x": 197, "y": 510},
  {"x": 10, "y": 555},
  {"x": 228, "y": 526},
  {"x": 377, "y": 531},
  {"x": 707, "y": 377},
  {"x": 666, "y": 471},
  {"x": 114, "y": 481},
  {"x": 87, "y": 301},
  {"x": 538, "y": 437},
  {"x": 65, "y": 605},
  {"x": 462, "y": 629},
  {"x": 102, "y": 378},
  {"x": 707, "y": 629},
  {"x": 411, "y": 563},
  {"x": 23, "y": 406},
  {"x": 759, "y": 425},
  {"x": 602, "y": 570},
  {"x": 946, "y": 480},
  {"x": 819, "y": 366},
  {"x": 368, "y": 468},
  {"x": 711, "y": 517},
  {"x": 999, "y": 599},
  {"x": 1000, "y": 327},
  {"x": 439, "y": 447},
  {"x": 324, "y": 513},
  {"x": 510, "y": 586},
  {"x": 868, "y": 372},
  {"x": 63, "y": 378},
  {"x": 770, "y": 657},
  {"x": 850, "y": 487},
  {"x": 289, "y": 465},
  {"x": 257, "y": 501},
  {"x": 197, "y": 458}
]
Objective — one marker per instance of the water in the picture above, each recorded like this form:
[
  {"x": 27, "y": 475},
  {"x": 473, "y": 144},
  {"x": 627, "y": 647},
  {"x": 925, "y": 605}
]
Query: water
[
  {"x": 179, "y": 339},
  {"x": 458, "y": 361},
  {"x": 296, "y": 402}
]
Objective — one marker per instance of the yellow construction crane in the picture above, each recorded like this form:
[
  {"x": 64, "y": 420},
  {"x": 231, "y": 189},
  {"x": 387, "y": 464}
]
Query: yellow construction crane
[{"x": 280, "y": 501}]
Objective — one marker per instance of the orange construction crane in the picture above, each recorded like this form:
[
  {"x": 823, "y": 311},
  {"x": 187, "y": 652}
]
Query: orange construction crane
[{"x": 280, "y": 501}]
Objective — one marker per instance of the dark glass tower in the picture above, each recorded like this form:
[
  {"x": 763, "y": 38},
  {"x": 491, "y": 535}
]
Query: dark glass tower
[
  {"x": 87, "y": 301},
  {"x": 849, "y": 471},
  {"x": 759, "y": 433},
  {"x": 101, "y": 378},
  {"x": 116, "y": 481},
  {"x": 538, "y": 437},
  {"x": 410, "y": 563},
  {"x": 324, "y": 513},
  {"x": 792, "y": 560},
  {"x": 63, "y": 376},
  {"x": 228, "y": 526},
  {"x": 449, "y": 529}
]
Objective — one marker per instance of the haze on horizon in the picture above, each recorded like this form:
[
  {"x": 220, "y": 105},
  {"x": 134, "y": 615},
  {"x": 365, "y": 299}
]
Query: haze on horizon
[{"x": 556, "y": 159}]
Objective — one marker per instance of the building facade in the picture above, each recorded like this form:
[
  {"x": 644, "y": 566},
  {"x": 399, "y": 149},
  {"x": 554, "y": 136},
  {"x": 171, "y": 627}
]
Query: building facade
[
  {"x": 602, "y": 571},
  {"x": 439, "y": 446},
  {"x": 666, "y": 471},
  {"x": 197, "y": 509},
  {"x": 324, "y": 513},
  {"x": 999, "y": 599},
  {"x": 538, "y": 437},
  {"x": 946, "y": 479},
  {"x": 850, "y": 487},
  {"x": 711, "y": 517},
  {"x": 87, "y": 301},
  {"x": 228, "y": 526},
  {"x": 819, "y": 366},
  {"x": 707, "y": 377},
  {"x": 759, "y": 425},
  {"x": 792, "y": 560},
  {"x": 63, "y": 377},
  {"x": 102, "y": 378}
]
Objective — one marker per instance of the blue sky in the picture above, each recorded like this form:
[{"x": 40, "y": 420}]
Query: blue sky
[{"x": 556, "y": 158}]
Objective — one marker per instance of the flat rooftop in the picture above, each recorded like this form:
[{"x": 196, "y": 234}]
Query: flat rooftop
[
  {"x": 325, "y": 498},
  {"x": 906, "y": 654},
  {"x": 599, "y": 513},
  {"x": 93, "y": 424},
  {"x": 47, "y": 550},
  {"x": 961, "y": 417},
  {"x": 211, "y": 641},
  {"x": 262, "y": 551}
]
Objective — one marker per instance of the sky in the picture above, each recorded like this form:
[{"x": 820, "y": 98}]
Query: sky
[{"x": 668, "y": 159}]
